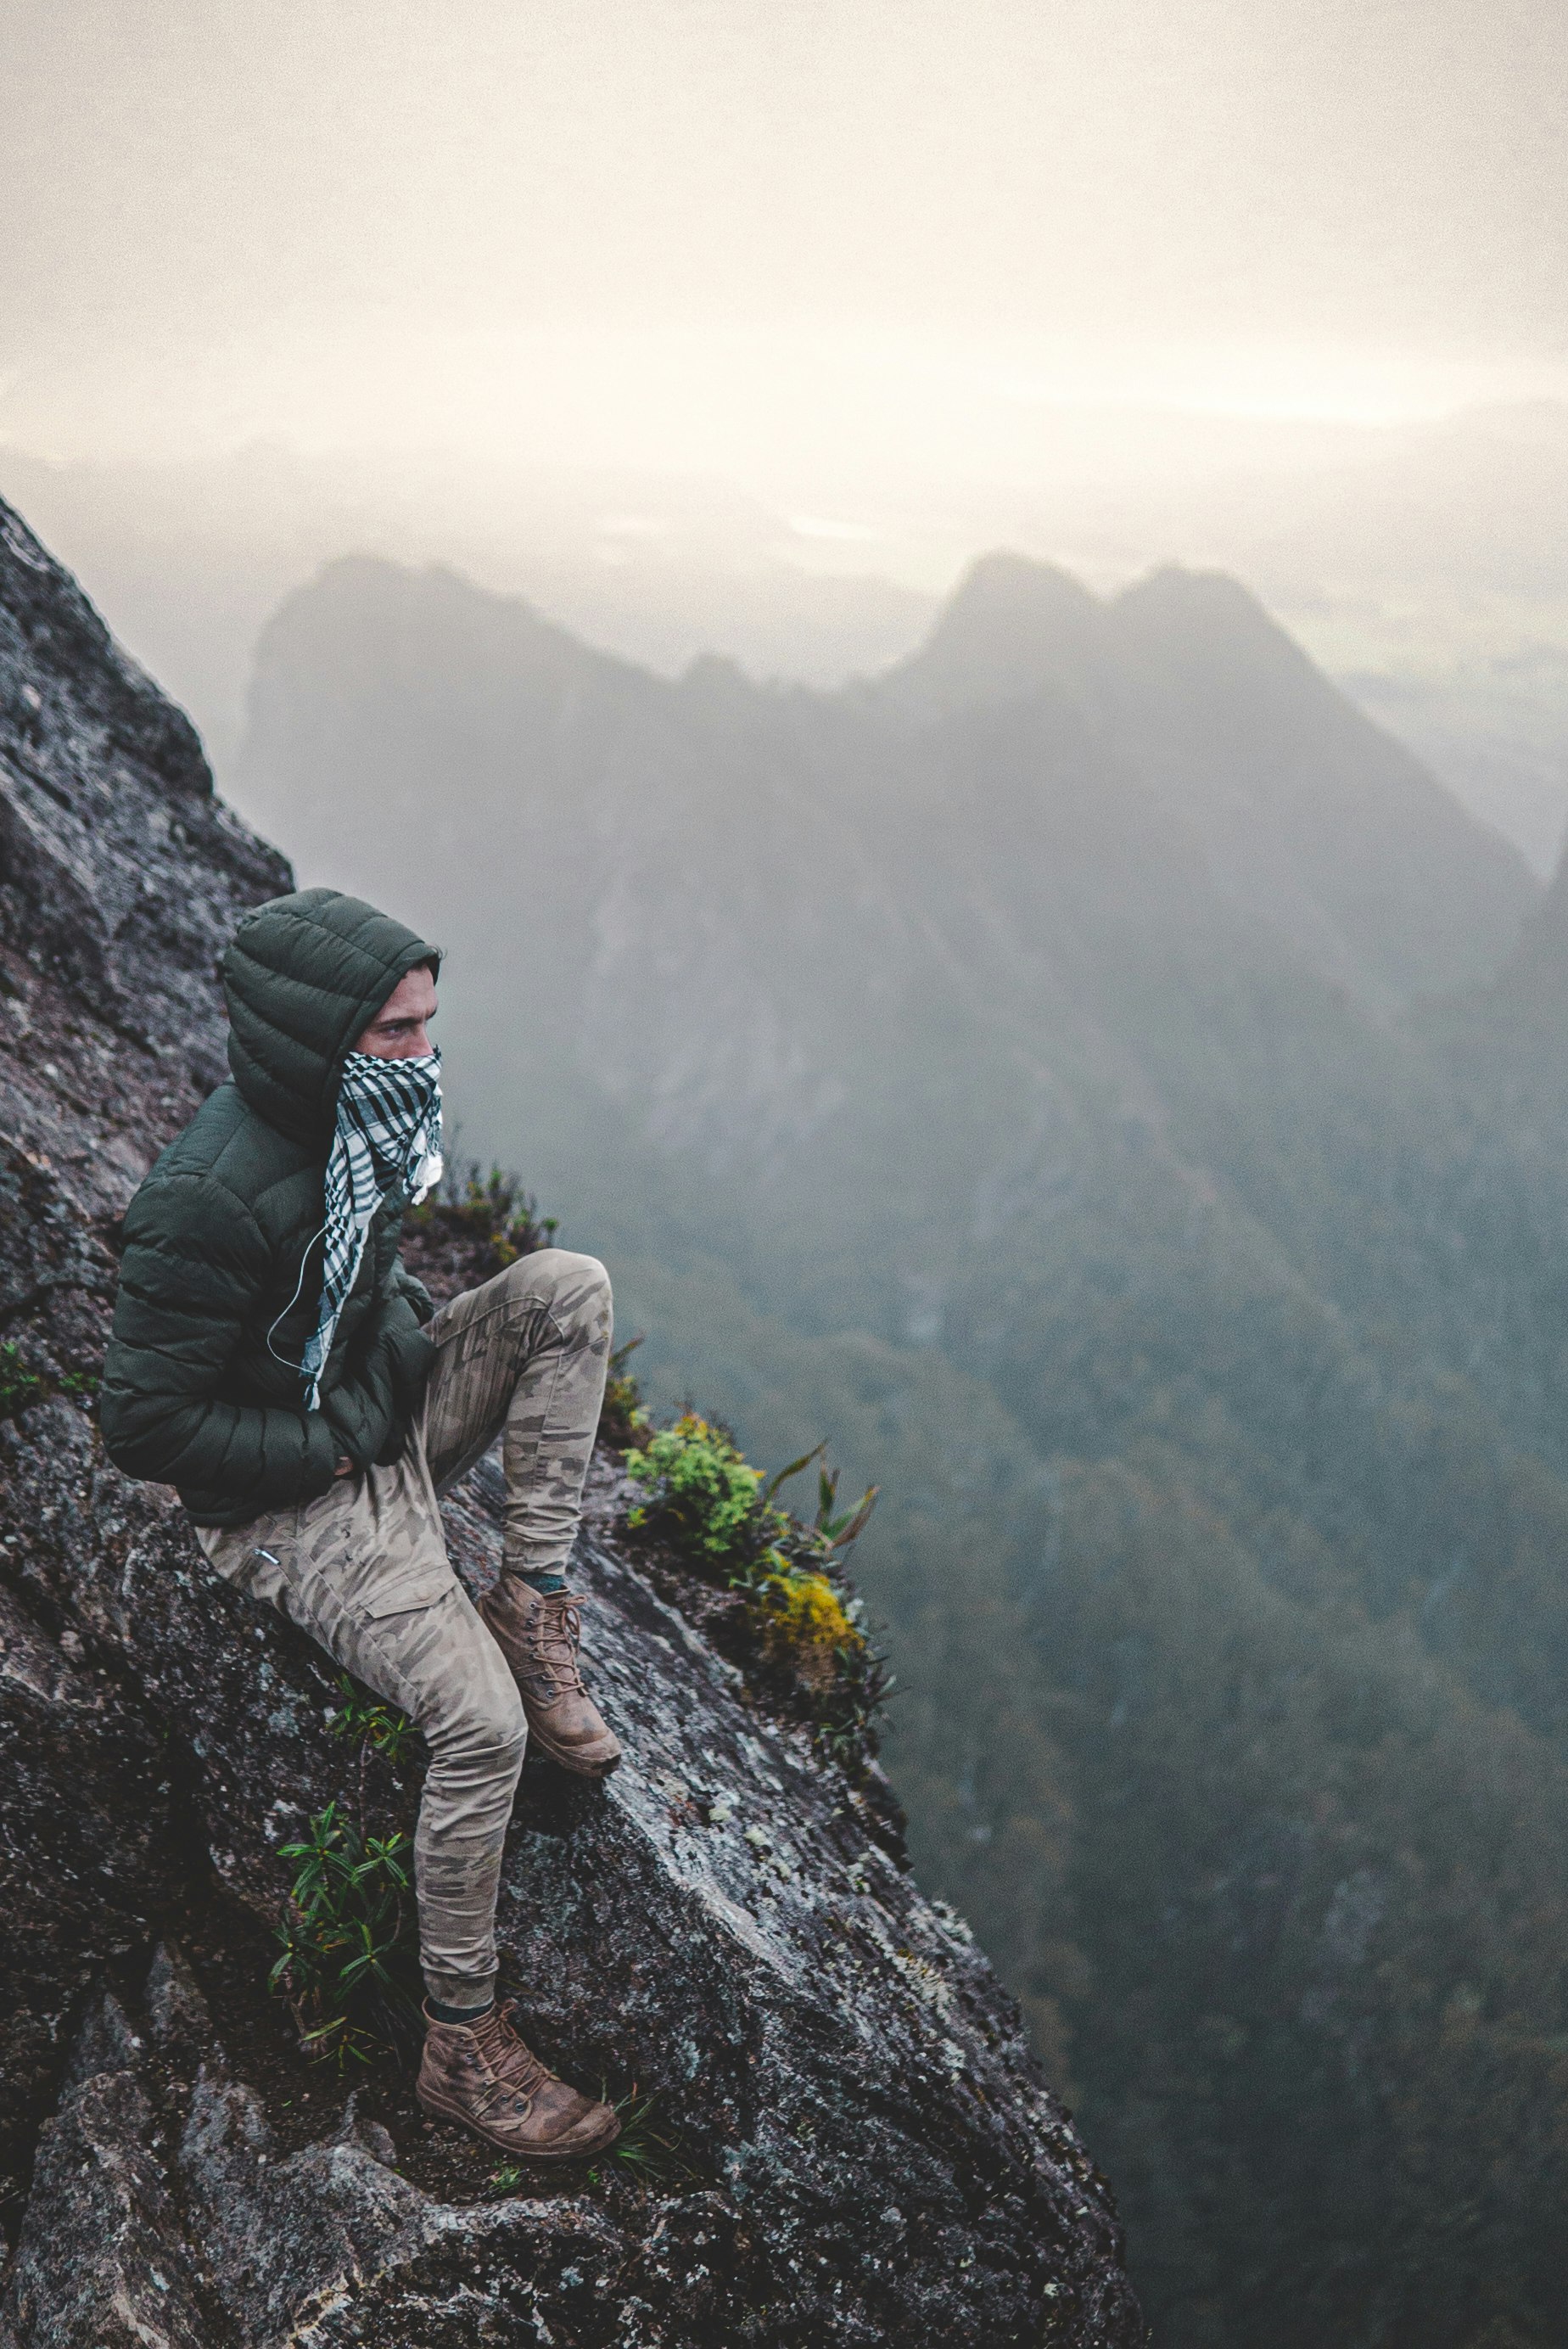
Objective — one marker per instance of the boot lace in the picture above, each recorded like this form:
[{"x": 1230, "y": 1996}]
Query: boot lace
[
  {"x": 552, "y": 1639},
  {"x": 515, "y": 2069}
]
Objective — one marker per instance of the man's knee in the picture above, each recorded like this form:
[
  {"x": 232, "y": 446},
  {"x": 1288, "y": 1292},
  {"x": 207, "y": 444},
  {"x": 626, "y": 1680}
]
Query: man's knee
[
  {"x": 486, "y": 1727},
  {"x": 502, "y": 1723},
  {"x": 575, "y": 1288}
]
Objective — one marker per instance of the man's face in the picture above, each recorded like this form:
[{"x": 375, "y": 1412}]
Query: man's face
[{"x": 398, "y": 1031}]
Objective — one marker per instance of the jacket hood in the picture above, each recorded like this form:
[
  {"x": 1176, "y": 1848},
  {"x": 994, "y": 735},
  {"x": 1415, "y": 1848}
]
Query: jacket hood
[{"x": 304, "y": 976}]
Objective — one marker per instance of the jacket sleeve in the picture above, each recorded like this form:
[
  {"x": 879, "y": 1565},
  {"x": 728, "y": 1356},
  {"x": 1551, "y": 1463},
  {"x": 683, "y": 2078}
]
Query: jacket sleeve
[
  {"x": 195, "y": 1262},
  {"x": 409, "y": 1285},
  {"x": 372, "y": 1404}
]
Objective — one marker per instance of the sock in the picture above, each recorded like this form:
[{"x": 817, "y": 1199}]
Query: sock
[
  {"x": 545, "y": 1580},
  {"x": 459, "y": 2014}
]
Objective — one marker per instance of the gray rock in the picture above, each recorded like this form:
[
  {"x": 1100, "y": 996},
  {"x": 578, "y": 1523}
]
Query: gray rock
[
  {"x": 288, "y": 2231},
  {"x": 104, "y": 2259},
  {"x": 866, "y": 2151},
  {"x": 105, "y": 805}
]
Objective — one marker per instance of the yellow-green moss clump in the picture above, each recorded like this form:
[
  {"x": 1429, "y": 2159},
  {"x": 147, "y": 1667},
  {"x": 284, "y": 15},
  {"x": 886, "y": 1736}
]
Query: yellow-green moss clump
[
  {"x": 809, "y": 1625},
  {"x": 705, "y": 1499}
]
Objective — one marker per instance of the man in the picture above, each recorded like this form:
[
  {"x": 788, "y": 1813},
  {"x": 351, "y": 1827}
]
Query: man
[{"x": 273, "y": 1359}]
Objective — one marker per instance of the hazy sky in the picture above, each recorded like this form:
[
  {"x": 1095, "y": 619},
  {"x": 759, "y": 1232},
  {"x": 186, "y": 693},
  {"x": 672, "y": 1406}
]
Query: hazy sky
[{"x": 755, "y": 233}]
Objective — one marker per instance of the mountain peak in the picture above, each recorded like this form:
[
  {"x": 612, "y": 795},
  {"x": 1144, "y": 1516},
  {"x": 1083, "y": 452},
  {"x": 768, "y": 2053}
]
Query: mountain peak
[
  {"x": 1012, "y": 628},
  {"x": 1206, "y": 620},
  {"x": 1005, "y": 587}
]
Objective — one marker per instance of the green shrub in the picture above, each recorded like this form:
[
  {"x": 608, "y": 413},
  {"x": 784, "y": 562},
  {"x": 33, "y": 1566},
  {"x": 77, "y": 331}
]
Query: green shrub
[
  {"x": 624, "y": 1424},
  {"x": 803, "y": 1631},
  {"x": 347, "y": 1962},
  {"x": 700, "y": 1491}
]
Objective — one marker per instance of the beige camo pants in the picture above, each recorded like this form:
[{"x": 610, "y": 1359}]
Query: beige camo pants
[{"x": 363, "y": 1570}]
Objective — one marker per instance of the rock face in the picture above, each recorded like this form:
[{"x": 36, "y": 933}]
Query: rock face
[{"x": 858, "y": 2145}]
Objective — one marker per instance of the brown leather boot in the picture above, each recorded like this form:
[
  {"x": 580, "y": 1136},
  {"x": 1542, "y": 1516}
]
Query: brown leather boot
[
  {"x": 538, "y": 1636},
  {"x": 482, "y": 2075}
]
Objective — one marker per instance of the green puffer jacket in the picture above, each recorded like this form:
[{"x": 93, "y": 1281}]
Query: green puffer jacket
[{"x": 220, "y": 1282}]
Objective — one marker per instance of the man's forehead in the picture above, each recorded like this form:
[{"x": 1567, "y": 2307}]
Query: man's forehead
[{"x": 416, "y": 990}]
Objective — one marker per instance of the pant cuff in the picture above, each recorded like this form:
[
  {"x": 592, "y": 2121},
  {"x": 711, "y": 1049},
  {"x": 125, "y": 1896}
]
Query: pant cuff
[
  {"x": 459, "y": 1989},
  {"x": 538, "y": 1558}
]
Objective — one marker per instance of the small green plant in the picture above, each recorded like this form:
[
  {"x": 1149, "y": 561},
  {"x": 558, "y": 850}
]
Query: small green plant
[
  {"x": 369, "y": 1722},
  {"x": 833, "y": 1531},
  {"x": 347, "y": 1964},
  {"x": 698, "y": 1491},
  {"x": 493, "y": 1211},
  {"x": 649, "y": 2152},
  {"x": 19, "y": 1386},
  {"x": 654, "y": 2153},
  {"x": 506, "y": 2179}
]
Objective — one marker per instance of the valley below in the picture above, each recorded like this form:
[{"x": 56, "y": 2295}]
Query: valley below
[{"x": 1105, "y": 1087}]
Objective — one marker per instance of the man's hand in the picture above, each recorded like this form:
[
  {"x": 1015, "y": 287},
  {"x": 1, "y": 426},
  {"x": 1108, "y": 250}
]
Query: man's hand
[{"x": 344, "y": 1468}]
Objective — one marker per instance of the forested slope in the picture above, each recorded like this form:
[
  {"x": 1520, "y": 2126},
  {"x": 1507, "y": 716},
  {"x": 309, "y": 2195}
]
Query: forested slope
[{"x": 1106, "y": 1083}]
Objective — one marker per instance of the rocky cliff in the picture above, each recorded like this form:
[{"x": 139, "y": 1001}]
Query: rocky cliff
[{"x": 857, "y": 2145}]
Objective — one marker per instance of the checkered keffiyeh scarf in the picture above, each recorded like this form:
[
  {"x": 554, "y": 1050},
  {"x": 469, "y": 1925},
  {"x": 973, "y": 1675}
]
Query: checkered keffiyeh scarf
[{"x": 388, "y": 1133}]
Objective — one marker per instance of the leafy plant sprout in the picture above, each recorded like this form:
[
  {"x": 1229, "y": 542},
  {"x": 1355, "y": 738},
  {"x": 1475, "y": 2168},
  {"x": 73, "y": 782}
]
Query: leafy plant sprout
[
  {"x": 371, "y": 1722},
  {"x": 656, "y": 2154},
  {"x": 650, "y": 2152},
  {"x": 374, "y": 1728},
  {"x": 347, "y": 1941},
  {"x": 347, "y": 1938},
  {"x": 494, "y": 1208},
  {"x": 21, "y": 1386}
]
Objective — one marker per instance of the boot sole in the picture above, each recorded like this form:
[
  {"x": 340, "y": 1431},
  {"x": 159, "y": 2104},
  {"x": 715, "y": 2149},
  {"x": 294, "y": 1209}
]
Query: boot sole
[
  {"x": 579, "y": 2152},
  {"x": 565, "y": 1761}
]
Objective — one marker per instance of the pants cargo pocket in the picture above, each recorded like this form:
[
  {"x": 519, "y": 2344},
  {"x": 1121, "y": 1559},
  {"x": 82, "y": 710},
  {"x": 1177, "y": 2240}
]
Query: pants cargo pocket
[{"x": 406, "y": 1590}]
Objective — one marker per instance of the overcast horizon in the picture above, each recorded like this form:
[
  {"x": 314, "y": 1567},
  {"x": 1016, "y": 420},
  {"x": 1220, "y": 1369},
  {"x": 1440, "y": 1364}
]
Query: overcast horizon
[
  {"x": 768, "y": 238},
  {"x": 617, "y": 309}
]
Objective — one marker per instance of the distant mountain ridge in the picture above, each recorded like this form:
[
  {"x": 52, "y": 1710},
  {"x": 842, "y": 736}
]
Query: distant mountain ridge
[
  {"x": 1171, "y": 753},
  {"x": 1308, "y": 813},
  {"x": 1420, "y": 565}
]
